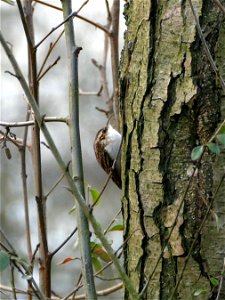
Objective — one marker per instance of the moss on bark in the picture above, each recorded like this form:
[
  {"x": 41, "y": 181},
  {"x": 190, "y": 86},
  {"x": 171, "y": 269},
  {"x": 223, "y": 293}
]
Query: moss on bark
[{"x": 170, "y": 103}]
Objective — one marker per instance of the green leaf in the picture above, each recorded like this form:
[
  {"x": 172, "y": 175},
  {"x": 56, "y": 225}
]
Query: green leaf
[
  {"x": 97, "y": 264},
  {"x": 118, "y": 227},
  {"x": 214, "y": 148},
  {"x": 199, "y": 292},
  {"x": 221, "y": 138},
  {"x": 95, "y": 196},
  {"x": 197, "y": 152},
  {"x": 98, "y": 250},
  {"x": 214, "y": 281},
  {"x": 4, "y": 260}
]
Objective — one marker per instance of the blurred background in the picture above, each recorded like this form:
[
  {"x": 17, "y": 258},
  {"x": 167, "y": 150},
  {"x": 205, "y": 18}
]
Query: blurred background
[{"x": 54, "y": 103}]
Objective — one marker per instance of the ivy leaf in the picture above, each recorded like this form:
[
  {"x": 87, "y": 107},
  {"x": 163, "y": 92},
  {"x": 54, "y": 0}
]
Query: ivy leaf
[
  {"x": 214, "y": 281},
  {"x": 221, "y": 138},
  {"x": 4, "y": 260},
  {"x": 199, "y": 292},
  {"x": 118, "y": 227},
  {"x": 196, "y": 152},
  {"x": 95, "y": 196},
  {"x": 214, "y": 148}
]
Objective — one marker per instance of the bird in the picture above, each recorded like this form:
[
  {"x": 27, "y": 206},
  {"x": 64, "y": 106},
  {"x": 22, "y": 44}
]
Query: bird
[{"x": 107, "y": 146}]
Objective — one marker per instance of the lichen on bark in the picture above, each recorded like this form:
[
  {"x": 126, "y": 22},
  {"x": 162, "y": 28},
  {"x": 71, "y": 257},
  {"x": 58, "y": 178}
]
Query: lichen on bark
[{"x": 169, "y": 105}]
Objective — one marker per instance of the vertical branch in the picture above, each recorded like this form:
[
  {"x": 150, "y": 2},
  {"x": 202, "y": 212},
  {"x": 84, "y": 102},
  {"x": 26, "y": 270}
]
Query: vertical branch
[
  {"x": 44, "y": 270},
  {"x": 25, "y": 195},
  {"x": 77, "y": 166},
  {"x": 114, "y": 41},
  {"x": 106, "y": 50}
]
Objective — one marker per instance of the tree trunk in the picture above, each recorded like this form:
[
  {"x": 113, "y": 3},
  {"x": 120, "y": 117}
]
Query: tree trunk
[{"x": 171, "y": 102}]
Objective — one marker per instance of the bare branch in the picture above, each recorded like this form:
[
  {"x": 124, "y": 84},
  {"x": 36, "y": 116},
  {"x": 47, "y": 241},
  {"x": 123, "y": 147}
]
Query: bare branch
[
  {"x": 73, "y": 14},
  {"x": 48, "y": 4},
  {"x": 24, "y": 22},
  {"x": 114, "y": 40},
  {"x": 104, "y": 292},
  {"x": 64, "y": 242},
  {"x": 72, "y": 185},
  {"x": 30, "y": 123},
  {"x": 51, "y": 47},
  {"x": 16, "y": 141},
  {"x": 10, "y": 73},
  {"x": 48, "y": 68}
]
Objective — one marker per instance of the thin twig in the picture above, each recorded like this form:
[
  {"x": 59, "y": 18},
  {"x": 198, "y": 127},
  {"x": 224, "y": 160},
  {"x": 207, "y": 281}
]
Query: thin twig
[
  {"x": 82, "y": 5},
  {"x": 31, "y": 123},
  {"x": 114, "y": 41},
  {"x": 22, "y": 151},
  {"x": 221, "y": 280},
  {"x": 55, "y": 185},
  {"x": 10, "y": 73},
  {"x": 51, "y": 47},
  {"x": 64, "y": 242},
  {"x": 49, "y": 68},
  {"x": 8, "y": 242},
  {"x": 102, "y": 70},
  {"x": 24, "y": 22},
  {"x": 9, "y": 289},
  {"x": 206, "y": 48},
  {"x": 62, "y": 165},
  {"x": 13, "y": 282},
  {"x": 104, "y": 267},
  {"x": 74, "y": 291},
  {"x": 104, "y": 292},
  {"x": 196, "y": 237},
  {"x": 16, "y": 141},
  {"x": 18, "y": 262},
  {"x": 73, "y": 14},
  {"x": 76, "y": 152},
  {"x": 6, "y": 295},
  {"x": 97, "y": 25},
  {"x": 112, "y": 221},
  {"x": 34, "y": 254},
  {"x": 48, "y": 4},
  {"x": 98, "y": 93},
  {"x": 218, "y": 3},
  {"x": 216, "y": 132}
]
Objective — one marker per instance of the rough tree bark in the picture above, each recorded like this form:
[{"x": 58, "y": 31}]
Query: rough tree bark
[{"x": 171, "y": 102}]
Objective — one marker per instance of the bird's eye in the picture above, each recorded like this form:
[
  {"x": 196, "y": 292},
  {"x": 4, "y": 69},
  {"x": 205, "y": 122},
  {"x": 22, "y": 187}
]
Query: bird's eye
[{"x": 104, "y": 130}]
